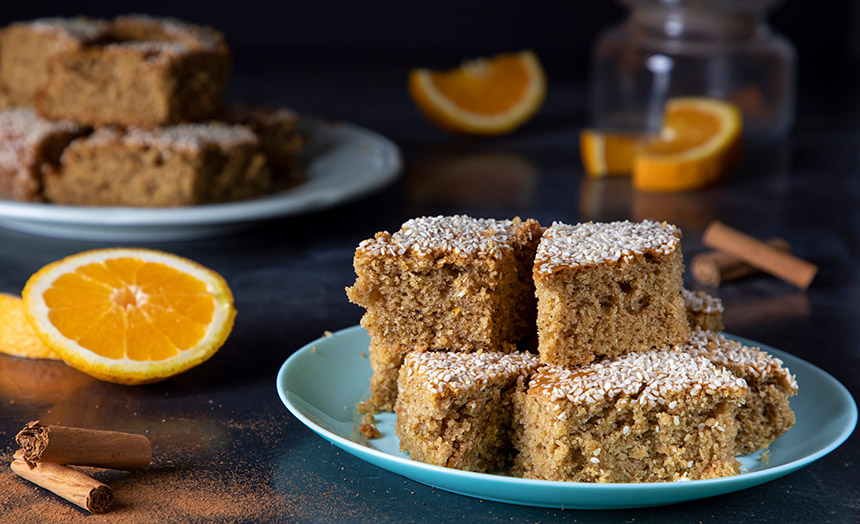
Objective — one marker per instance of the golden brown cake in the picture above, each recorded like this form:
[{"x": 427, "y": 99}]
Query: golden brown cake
[
  {"x": 30, "y": 144},
  {"x": 703, "y": 310},
  {"x": 136, "y": 70},
  {"x": 766, "y": 415},
  {"x": 605, "y": 289},
  {"x": 661, "y": 415},
  {"x": 445, "y": 283},
  {"x": 279, "y": 137},
  {"x": 178, "y": 165},
  {"x": 385, "y": 362},
  {"x": 454, "y": 409},
  {"x": 26, "y": 49}
]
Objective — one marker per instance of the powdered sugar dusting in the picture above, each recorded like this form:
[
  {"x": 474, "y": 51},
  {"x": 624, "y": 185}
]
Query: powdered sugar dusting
[
  {"x": 82, "y": 30},
  {"x": 701, "y": 302},
  {"x": 745, "y": 361},
  {"x": 589, "y": 244},
  {"x": 648, "y": 378},
  {"x": 196, "y": 37},
  {"x": 188, "y": 137},
  {"x": 458, "y": 235},
  {"x": 455, "y": 372},
  {"x": 21, "y": 132}
]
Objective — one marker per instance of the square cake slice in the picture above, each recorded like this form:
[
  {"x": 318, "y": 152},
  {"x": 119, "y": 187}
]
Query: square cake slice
[
  {"x": 177, "y": 165},
  {"x": 662, "y": 415},
  {"x": 27, "y": 48},
  {"x": 448, "y": 282},
  {"x": 455, "y": 409},
  {"x": 280, "y": 139},
  {"x": 766, "y": 415},
  {"x": 143, "y": 71},
  {"x": 29, "y": 145},
  {"x": 703, "y": 310},
  {"x": 605, "y": 289},
  {"x": 443, "y": 283}
]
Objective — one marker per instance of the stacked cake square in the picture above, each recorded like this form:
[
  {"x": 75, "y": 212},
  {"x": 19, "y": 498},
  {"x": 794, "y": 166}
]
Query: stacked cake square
[{"x": 625, "y": 386}]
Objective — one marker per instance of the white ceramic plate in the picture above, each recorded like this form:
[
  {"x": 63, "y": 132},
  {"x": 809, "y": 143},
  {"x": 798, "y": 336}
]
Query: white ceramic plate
[
  {"x": 342, "y": 162},
  {"x": 321, "y": 382}
]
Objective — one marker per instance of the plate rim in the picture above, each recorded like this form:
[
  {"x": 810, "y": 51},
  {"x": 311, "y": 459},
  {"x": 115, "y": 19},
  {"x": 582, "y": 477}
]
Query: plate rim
[
  {"x": 735, "y": 482},
  {"x": 390, "y": 165}
]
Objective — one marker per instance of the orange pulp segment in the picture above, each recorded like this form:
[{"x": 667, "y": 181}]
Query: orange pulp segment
[
  {"x": 129, "y": 315},
  {"x": 485, "y": 96}
]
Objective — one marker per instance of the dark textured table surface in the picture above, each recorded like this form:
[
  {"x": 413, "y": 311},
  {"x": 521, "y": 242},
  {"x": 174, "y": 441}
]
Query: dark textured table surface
[{"x": 227, "y": 450}]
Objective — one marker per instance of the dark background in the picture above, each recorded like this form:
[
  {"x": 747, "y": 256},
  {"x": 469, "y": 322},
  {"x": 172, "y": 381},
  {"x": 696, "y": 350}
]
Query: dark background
[{"x": 443, "y": 32}]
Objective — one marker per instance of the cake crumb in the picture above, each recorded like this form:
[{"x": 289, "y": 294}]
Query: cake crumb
[{"x": 370, "y": 431}]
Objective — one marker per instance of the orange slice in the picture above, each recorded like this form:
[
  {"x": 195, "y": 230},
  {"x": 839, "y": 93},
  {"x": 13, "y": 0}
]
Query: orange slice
[
  {"x": 486, "y": 96},
  {"x": 699, "y": 142},
  {"x": 131, "y": 316},
  {"x": 17, "y": 338},
  {"x": 609, "y": 153}
]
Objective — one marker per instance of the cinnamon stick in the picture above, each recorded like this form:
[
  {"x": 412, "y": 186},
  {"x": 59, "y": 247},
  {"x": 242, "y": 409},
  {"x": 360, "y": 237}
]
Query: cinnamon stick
[
  {"x": 76, "y": 487},
  {"x": 715, "y": 267},
  {"x": 758, "y": 254},
  {"x": 83, "y": 447}
]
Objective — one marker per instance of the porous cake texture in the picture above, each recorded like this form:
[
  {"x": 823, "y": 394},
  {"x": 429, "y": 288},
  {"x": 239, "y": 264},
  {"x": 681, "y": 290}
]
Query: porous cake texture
[
  {"x": 703, "y": 310},
  {"x": 605, "y": 289},
  {"x": 136, "y": 70},
  {"x": 766, "y": 414},
  {"x": 446, "y": 283},
  {"x": 455, "y": 409},
  {"x": 385, "y": 362},
  {"x": 177, "y": 165},
  {"x": 29, "y": 145},
  {"x": 661, "y": 415},
  {"x": 27, "y": 48},
  {"x": 279, "y": 136}
]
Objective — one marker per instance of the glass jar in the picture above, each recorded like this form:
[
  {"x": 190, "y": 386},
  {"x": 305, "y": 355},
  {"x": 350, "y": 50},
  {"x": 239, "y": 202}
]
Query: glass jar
[{"x": 717, "y": 48}]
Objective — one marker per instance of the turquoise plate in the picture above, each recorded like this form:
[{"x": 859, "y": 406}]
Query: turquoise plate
[{"x": 322, "y": 381}]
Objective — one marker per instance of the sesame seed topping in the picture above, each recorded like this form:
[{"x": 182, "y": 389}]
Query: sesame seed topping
[
  {"x": 625, "y": 430},
  {"x": 455, "y": 372},
  {"x": 701, "y": 302},
  {"x": 458, "y": 236},
  {"x": 690, "y": 464},
  {"x": 596, "y": 452},
  {"x": 595, "y": 460},
  {"x": 749, "y": 363},
  {"x": 676, "y": 420},
  {"x": 589, "y": 244},
  {"x": 647, "y": 378}
]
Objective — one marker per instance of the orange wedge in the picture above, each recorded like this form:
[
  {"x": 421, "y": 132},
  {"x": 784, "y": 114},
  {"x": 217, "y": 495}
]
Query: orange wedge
[
  {"x": 17, "y": 338},
  {"x": 608, "y": 153},
  {"x": 486, "y": 96},
  {"x": 130, "y": 316},
  {"x": 698, "y": 143}
]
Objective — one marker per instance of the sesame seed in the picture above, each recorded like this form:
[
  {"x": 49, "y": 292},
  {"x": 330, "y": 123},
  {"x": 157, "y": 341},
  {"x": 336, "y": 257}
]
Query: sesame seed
[
  {"x": 455, "y": 236},
  {"x": 625, "y": 430},
  {"x": 595, "y": 460},
  {"x": 588, "y": 244},
  {"x": 647, "y": 378},
  {"x": 745, "y": 362},
  {"x": 701, "y": 302},
  {"x": 596, "y": 452},
  {"x": 676, "y": 420},
  {"x": 455, "y": 372}
]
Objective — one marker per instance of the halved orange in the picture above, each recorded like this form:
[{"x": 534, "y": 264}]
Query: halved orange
[
  {"x": 485, "y": 96},
  {"x": 131, "y": 316},
  {"x": 699, "y": 143},
  {"x": 17, "y": 338},
  {"x": 606, "y": 153}
]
